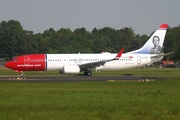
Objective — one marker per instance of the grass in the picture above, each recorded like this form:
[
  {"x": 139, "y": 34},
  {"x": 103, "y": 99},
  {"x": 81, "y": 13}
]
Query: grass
[{"x": 92, "y": 100}]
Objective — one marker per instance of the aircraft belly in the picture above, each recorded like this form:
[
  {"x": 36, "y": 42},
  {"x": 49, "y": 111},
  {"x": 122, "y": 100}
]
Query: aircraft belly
[
  {"x": 54, "y": 66},
  {"x": 114, "y": 65},
  {"x": 120, "y": 65}
]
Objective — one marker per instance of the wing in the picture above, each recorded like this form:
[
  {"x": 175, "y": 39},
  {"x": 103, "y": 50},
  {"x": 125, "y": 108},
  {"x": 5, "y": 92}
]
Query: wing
[{"x": 95, "y": 64}]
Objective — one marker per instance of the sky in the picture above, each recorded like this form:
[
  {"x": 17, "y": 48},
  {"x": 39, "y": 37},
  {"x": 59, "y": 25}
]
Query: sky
[{"x": 143, "y": 16}]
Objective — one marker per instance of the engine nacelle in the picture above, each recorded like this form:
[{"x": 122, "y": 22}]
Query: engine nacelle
[{"x": 70, "y": 69}]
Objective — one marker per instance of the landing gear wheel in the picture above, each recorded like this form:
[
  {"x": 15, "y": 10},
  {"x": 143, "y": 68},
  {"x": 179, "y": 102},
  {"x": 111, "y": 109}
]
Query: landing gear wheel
[
  {"x": 87, "y": 73},
  {"x": 22, "y": 74}
]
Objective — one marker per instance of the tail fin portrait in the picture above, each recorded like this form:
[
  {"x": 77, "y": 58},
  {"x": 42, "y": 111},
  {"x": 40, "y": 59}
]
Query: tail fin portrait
[{"x": 155, "y": 42}]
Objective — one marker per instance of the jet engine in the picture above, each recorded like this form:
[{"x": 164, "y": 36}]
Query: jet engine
[{"x": 70, "y": 69}]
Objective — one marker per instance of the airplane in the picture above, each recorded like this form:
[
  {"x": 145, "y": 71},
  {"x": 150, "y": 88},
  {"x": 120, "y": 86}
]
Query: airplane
[{"x": 75, "y": 63}]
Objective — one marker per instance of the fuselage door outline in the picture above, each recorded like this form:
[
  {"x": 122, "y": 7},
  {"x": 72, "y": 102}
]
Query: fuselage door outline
[
  {"x": 26, "y": 60},
  {"x": 138, "y": 59}
]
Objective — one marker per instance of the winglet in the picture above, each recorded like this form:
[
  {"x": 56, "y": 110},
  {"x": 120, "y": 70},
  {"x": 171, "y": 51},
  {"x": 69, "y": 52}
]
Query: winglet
[{"x": 119, "y": 54}]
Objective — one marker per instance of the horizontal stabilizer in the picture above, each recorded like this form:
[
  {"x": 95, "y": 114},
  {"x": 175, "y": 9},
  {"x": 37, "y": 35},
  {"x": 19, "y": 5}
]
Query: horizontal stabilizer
[{"x": 162, "y": 54}]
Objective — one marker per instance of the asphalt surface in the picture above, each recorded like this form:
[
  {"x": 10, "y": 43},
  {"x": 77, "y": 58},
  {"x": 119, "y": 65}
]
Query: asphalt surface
[{"x": 68, "y": 78}]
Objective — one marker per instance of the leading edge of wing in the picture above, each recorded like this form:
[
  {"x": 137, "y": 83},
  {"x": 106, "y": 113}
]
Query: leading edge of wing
[{"x": 98, "y": 63}]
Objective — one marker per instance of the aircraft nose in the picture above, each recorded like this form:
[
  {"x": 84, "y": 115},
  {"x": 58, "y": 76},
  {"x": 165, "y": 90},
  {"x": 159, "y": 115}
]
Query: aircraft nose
[{"x": 8, "y": 64}]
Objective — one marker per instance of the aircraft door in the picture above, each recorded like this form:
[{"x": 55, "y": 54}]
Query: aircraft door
[
  {"x": 138, "y": 59},
  {"x": 26, "y": 60}
]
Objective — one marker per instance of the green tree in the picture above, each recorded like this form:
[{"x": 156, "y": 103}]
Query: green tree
[
  {"x": 122, "y": 39},
  {"x": 10, "y": 31},
  {"x": 143, "y": 39},
  {"x": 172, "y": 43},
  {"x": 135, "y": 44}
]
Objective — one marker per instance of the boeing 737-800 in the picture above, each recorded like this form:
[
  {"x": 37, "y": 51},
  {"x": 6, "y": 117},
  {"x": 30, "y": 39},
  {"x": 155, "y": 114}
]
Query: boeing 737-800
[{"x": 75, "y": 63}]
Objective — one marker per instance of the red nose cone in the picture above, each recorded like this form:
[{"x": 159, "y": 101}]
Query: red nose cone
[{"x": 7, "y": 64}]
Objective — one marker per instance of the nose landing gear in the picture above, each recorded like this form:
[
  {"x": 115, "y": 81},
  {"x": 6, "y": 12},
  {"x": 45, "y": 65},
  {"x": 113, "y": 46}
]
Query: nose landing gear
[{"x": 21, "y": 73}]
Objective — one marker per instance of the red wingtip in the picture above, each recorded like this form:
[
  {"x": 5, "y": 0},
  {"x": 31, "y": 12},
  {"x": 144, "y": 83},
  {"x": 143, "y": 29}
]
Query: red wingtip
[
  {"x": 163, "y": 26},
  {"x": 120, "y": 53}
]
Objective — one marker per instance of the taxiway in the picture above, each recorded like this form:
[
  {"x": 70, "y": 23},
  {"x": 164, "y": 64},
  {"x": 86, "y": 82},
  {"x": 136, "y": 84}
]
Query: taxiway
[{"x": 67, "y": 78}]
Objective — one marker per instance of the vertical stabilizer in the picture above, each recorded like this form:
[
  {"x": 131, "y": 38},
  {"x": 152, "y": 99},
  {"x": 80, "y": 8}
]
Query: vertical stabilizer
[{"x": 154, "y": 43}]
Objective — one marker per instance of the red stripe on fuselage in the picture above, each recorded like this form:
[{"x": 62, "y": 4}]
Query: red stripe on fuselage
[{"x": 33, "y": 62}]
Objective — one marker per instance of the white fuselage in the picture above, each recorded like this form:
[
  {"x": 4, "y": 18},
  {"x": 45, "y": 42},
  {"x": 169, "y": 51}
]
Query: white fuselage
[{"x": 57, "y": 61}]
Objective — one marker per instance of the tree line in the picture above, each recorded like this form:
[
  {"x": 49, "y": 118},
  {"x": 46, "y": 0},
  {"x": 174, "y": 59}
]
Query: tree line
[{"x": 14, "y": 40}]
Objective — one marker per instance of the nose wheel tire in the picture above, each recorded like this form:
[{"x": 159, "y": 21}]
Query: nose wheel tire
[{"x": 22, "y": 74}]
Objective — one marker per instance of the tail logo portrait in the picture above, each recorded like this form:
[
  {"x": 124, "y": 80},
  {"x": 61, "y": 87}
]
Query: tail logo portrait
[{"x": 157, "y": 48}]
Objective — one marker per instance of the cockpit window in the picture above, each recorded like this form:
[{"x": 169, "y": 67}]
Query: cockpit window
[{"x": 15, "y": 60}]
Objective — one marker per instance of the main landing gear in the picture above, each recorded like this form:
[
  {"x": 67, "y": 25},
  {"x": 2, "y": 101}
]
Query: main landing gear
[{"x": 87, "y": 73}]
